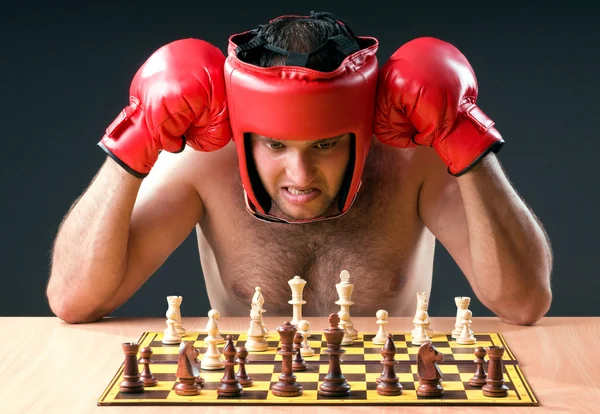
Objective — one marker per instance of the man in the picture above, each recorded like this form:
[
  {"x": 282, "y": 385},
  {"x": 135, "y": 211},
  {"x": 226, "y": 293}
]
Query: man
[{"x": 301, "y": 98}]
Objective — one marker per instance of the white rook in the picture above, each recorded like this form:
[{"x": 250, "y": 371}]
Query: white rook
[{"x": 297, "y": 285}]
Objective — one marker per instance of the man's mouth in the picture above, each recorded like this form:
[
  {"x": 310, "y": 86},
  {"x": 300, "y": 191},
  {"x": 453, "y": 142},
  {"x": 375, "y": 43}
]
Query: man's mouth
[{"x": 296, "y": 196}]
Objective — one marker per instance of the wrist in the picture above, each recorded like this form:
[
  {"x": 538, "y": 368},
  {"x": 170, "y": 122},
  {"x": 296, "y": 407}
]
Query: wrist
[
  {"x": 470, "y": 140},
  {"x": 129, "y": 143}
]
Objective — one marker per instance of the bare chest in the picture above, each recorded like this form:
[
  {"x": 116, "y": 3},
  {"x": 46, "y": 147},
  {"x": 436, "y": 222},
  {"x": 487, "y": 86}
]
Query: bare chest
[{"x": 380, "y": 242}]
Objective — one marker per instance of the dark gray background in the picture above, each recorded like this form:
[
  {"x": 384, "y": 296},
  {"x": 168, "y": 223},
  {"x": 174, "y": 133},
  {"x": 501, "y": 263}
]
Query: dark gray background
[{"x": 66, "y": 70}]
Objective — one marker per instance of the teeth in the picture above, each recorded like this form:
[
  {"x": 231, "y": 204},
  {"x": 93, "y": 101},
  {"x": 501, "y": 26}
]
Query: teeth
[{"x": 297, "y": 192}]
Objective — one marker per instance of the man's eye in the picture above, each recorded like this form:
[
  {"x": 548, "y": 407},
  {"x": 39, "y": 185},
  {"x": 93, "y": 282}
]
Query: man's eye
[
  {"x": 326, "y": 145},
  {"x": 274, "y": 145}
]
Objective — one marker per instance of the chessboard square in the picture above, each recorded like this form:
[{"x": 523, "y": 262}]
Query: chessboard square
[
  {"x": 146, "y": 395},
  {"x": 463, "y": 357},
  {"x": 353, "y": 369},
  {"x": 372, "y": 357},
  {"x": 252, "y": 395},
  {"x": 452, "y": 385},
  {"x": 446, "y": 350},
  {"x": 373, "y": 395},
  {"x": 259, "y": 385},
  {"x": 354, "y": 377},
  {"x": 357, "y": 385},
  {"x": 315, "y": 357},
  {"x": 273, "y": 344},
  {"x": 448, "y": 369},
  {"x": 164, "y": 350},
  {"x": 304, "y": 377},
  {"x": 212, "y": 376},
  {"x": 165, "y": 377},
  {"x": 439, "y": 337},
  {"x": 402, "y": 357},
  {"x": 265, "y": 356},
  {"x": 259, "y": 368},
  {"x": 200, "y": 344},
  {"x": 371, "y": 377},
  {"x": 452, "y": 377},
  {"x": 413, "y": 349},
  {"x": 477, "y": 394},
  {"x": 315, "y": 344},
  {"x": 352, "y": 351},
  {"x": 162, "y": 386},
  {"x": 405, "y": 377},
  {"x": 160, "y": 368},
  {"x": 262, "y": 377},
  {"x": 374, "y": 351}
]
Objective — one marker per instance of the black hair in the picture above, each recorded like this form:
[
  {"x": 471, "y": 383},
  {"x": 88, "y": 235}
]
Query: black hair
[{"x": 320, "y": 42}]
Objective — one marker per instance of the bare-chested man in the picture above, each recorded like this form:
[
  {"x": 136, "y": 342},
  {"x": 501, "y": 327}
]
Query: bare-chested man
[{"x": 324, "y": 193}]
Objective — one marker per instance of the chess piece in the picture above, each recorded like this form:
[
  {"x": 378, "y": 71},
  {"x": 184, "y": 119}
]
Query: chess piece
[
  {"x": 344, "y": 290},
  {"x": 422, "y": 306},
  {"x": 256, "y": 341},
  {"x": 230, "y": 386},
  {"x": 297, "y": 285},
  {"x": 146, "y": 376},
  {"x": 212, "y": 327},
  {"x": 344, "y": 317},
  {"x": 298, "y": 364},
  {"x": 466, "y": 336},
  {"x": 430, "y": 376},
  {"x": 303, "y": 328},
  {"x": 495, "y": 386},
  {"x": 381, "y": 336},
  {"x": 131, "y": 374},
  {"x": 175, "y": 303},
  {"x": 243, "y": 378},
  {"x": 170, "y": 335},
  {"x": 259, "y": 300},
  {"x": 462, "y": 302},
  {"x": 479, "y": 379},
  {"x": 212, "y": 357},
  {"x": 188, "y": 370},
  {"x": 287, "y": 385},
  {"x": 388, "y": 383},
  {"x": 334, "y": 383},
  {"x": 418, "y": 334}
]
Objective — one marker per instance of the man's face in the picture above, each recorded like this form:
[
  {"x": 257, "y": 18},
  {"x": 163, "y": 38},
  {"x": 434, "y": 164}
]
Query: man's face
[{"x": 302, "y": 178}]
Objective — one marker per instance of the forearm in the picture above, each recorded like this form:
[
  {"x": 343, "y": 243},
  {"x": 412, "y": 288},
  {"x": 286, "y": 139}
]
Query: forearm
[
  {"x": 89, "y": 257},
  {"x": 510, "y": 254}
]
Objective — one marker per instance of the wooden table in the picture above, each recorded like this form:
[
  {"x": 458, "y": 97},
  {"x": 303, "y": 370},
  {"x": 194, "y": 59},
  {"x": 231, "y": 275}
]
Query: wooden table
[{"x": 49, "y": 366}]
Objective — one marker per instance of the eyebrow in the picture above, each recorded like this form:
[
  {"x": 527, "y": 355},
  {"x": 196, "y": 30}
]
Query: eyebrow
[{"x": 262, "y": 137}]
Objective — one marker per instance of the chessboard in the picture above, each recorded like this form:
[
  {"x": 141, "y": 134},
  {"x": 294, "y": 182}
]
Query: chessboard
[{"x": 361, "y": 367}]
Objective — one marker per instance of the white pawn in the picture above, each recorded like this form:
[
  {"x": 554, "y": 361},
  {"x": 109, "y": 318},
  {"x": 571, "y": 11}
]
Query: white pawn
[
  {"x": 170, "y": 336},
  {"x": 211, "y": 360},
  {"x": 381, "y": 336},
  {"x": 213, "y": 326},
  {"x": 419, "y": 334},
  {"x": 344, "y": 317},
  {"x": 466, "y": 336},
  {"x": 303, "y": 328}
]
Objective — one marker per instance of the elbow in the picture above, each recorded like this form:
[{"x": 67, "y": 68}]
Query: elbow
[
  {"x": 527, "y": 310},
  {"x": 69, "y": 312}
]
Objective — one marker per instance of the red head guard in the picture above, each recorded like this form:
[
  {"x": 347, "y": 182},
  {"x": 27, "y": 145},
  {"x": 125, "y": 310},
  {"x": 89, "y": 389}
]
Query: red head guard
[{"x": 293, "y": 102}]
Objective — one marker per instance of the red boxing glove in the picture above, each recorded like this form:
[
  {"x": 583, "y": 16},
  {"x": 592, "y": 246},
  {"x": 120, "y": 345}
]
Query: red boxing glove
[
  {"x": 176, "y": 97},
  {"x": 426, "y": 96}
]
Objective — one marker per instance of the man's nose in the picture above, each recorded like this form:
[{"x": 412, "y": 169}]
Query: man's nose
[{"x": 301, "y": 169}]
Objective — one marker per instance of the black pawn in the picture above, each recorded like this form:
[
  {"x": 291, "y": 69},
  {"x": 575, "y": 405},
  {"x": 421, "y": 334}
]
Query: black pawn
[
  {"x": 479, "y": 379},
  {"x": 299, "y": 364},
  {"x": 146, "y": 376},
  {"x": 230, "y": 386},
  {"x": 388, "y": 382},
  {"x": 242, "y": 376},
  {"x": 131, "y": 373},
  {"x": 334, "y": 384}
]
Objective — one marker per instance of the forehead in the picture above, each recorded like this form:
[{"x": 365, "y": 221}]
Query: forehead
[{"x": 315, "y": 141}]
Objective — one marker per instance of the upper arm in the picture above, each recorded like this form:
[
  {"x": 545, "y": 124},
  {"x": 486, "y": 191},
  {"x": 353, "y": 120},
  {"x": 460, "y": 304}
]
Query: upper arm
[
  {"x": 442, "y": 211},
  {"x": 165, "y": 212}
]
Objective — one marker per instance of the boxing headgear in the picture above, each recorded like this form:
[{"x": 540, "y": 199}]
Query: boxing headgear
[{"x": 293, "y": 102}]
